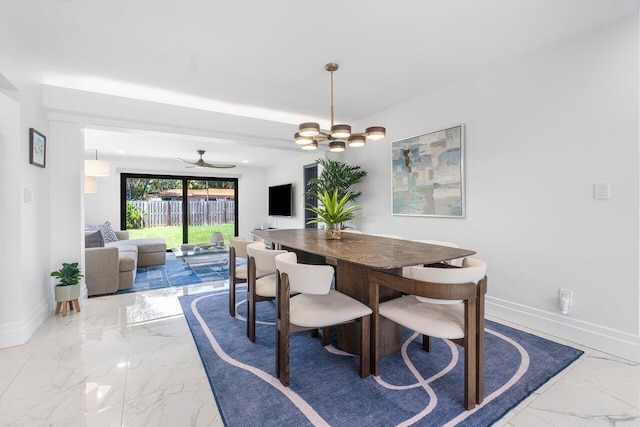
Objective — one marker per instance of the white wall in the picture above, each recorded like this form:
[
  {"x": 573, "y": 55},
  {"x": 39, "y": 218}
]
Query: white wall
[
  {"x": 27, "y": 233},
  {"x": 105, "y": 204},
  {"x": 291, "y": 171},
  {"x": 540, "y": 131}
]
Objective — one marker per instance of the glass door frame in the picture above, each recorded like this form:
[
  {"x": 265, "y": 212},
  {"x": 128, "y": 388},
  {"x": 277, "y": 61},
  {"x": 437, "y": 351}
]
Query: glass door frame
[{"x": 185, "y": 197}]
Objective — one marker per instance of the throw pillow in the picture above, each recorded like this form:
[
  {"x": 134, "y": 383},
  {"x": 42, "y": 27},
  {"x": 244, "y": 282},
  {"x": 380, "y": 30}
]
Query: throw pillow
[
  {"x": 88, "y": 227},
  {"x": 108, "y": 233},
  {"x": 93, "y": 239}
]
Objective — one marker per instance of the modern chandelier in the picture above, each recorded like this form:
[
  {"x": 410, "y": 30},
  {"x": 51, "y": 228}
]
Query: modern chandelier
[{"x": 309, "y": 134}]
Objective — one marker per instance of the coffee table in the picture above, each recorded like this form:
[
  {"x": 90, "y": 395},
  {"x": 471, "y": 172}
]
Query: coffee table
[{"x": 194, "y": 257}]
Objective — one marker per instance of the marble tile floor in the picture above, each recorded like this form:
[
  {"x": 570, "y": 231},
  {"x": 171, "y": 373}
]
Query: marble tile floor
[{"x": 129, "y": 360}]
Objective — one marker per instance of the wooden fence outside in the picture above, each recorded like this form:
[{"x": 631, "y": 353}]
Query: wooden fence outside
[{"x": 201, "y": 212}]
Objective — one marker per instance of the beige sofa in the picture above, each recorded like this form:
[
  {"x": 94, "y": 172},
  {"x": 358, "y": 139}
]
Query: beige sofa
[{"x": 113, "y": 267}]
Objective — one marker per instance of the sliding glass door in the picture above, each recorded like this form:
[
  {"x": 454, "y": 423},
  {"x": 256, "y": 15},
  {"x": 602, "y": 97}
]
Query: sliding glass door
[
  {"x": 178, "y": 209},
  {"x": 211, "y": 209}
]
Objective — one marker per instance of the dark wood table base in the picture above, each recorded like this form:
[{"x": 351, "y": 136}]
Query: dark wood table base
[{"x": 352, "y": 280}]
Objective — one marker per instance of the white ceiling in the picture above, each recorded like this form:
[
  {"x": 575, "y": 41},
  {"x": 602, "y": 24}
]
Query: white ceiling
[{"x": 271, "y": 55}]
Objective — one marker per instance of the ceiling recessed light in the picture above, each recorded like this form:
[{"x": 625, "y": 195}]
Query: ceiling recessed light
[
  {"x": 245, "y": 161},
  {"x": 120, "y": 151}
]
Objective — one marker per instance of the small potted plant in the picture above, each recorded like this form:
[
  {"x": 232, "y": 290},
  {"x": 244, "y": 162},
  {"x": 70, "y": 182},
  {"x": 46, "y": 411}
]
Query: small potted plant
[
  {"x": 67, "y": 289},
  {"x": 332, "y": 212}
]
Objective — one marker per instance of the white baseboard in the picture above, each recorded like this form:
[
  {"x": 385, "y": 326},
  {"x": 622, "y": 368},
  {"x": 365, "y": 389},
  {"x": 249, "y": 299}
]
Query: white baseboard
[
  {"x": 607, "y": 340},
  {"x": 17, "y": 333}
]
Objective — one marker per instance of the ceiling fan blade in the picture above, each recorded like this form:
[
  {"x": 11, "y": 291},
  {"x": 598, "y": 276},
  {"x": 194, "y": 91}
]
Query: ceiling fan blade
[
  {"x": 202, "y": 164},
  {"x": 182, "y": 160},
  {"x": 214, "y": 165}
]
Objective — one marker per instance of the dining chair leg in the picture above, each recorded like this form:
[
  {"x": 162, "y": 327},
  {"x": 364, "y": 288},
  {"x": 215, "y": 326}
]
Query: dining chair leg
[
  {"x": 365, "y": 348},
  {"x": 251, "y": 317},
  {"x": 470, "y": 367},
  {"x": 283, "y": 328},
  {"x": 326, "y": 336},
  {"x": 480, "y": 300},
  {"x": 426, "y": 343},
  {"x": 251, "y": 299},
  {"x": 232, "y": 296},
  {"x": 283, "y": 358},
  {"x": 374, "y": 302}
]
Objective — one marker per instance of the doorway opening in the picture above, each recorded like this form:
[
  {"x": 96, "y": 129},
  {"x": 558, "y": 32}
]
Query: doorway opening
[{"x": 310, "y": 172}]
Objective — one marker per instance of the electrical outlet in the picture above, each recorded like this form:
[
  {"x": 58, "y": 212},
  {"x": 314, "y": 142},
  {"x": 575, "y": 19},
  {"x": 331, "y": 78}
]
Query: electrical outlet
[{"x": 566, "y": 294}]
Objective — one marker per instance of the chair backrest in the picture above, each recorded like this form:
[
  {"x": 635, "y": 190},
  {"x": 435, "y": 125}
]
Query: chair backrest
[
  {"x": 472, "y": 271},
  {"x": 263, "y": 257},
  {"x": 305, "y": 278},
  {"x": 240, "y": 246},
  {"x": 216, "y": 237},
  {"x": 457, "y": 262}
]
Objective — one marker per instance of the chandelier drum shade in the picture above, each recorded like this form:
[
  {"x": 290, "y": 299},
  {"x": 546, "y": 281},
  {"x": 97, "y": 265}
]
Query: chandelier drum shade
[
  {"x": 340, "y": 135},
  {"x": 97, "y": 167}
]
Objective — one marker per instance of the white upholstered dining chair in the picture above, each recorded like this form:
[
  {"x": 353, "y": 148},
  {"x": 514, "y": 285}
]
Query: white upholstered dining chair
[
  {"x": 456, "y": 262},
  {"x": 261, "y": 281},
  {"x": 315, "y": 306},
  {"x": 443, "y": 302},
  {"x": 237, "y": 274}
]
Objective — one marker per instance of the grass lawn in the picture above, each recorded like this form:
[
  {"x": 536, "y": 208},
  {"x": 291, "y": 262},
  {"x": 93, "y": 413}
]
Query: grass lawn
[{"x": 173, "y": 235}]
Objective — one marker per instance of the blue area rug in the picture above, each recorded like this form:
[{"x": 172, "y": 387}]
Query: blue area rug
[
  {"x": 414, "y": 388},
  {"x": 175, "y": 273}
]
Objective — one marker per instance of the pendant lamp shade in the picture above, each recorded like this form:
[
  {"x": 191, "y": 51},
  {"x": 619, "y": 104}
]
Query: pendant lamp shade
[
  {"x": 90, "y": 184},
  {"x": 313, "y": 145},
  {"x": 96, "y": 168}
]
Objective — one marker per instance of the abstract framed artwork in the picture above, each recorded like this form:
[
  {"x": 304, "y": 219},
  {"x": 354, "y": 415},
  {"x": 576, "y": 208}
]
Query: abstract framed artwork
[
  {"x": 428, "y": 174},
  {"x": 37, "y": 148}
]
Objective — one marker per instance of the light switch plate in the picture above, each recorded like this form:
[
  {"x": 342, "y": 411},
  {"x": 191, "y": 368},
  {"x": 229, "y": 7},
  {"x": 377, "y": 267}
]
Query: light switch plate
[
  {"x": 28, "y": 196},
  {"x": 601, "y": 191}
]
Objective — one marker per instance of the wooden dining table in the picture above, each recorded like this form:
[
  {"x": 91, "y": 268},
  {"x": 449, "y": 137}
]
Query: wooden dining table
[{"x": 353, "y": 256}]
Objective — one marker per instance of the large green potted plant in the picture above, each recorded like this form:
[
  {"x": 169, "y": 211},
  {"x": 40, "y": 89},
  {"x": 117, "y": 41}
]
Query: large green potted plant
[
  {"x": 338, "y": 176},
  {"x": 69, "y": 275},
  {"x": 333, "y": 212}
]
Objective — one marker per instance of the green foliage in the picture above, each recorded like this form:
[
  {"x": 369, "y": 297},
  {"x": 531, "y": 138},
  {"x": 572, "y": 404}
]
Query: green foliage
[
  {"x": 141, "y": 188},
  {"x": 69, "y": 274},
  {"x": 336, "y": 176},
  {"x": 332, "y": 209},
  {"x": 134, "y": 216}
]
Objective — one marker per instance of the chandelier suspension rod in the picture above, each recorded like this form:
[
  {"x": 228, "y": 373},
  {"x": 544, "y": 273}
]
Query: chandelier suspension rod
[{"x": 332, "y": 111}]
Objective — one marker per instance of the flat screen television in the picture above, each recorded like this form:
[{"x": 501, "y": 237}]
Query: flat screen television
[{"x": 280, "y": 200}]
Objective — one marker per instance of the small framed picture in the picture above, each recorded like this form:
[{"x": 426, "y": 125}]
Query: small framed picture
[{"x": 37, "y": 147}]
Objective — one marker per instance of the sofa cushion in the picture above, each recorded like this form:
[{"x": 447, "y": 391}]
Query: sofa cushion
[
  {"x": 93, "y": 239},
  {"x": 127, "y": 261},
  {"x": 149, "y": 245},
  {"x": 124, "y": 246},
  {"x": 107, "y": 232}
]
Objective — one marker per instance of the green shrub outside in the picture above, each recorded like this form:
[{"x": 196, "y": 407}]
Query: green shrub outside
[{"x": 134, "y": 216}]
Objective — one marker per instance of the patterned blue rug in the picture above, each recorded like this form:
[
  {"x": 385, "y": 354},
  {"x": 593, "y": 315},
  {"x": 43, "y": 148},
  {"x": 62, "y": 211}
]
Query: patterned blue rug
[
  {"x": 414, "y": 388},
  {"x": 175, "y": 273}
]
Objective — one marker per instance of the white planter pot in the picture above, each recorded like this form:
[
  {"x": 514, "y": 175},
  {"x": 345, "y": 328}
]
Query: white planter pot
[{"x": 67, "y": 293}]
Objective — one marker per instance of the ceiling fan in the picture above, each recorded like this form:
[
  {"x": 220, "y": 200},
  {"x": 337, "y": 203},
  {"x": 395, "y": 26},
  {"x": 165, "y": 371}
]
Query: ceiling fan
[{"x": 202, "y": 164}]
